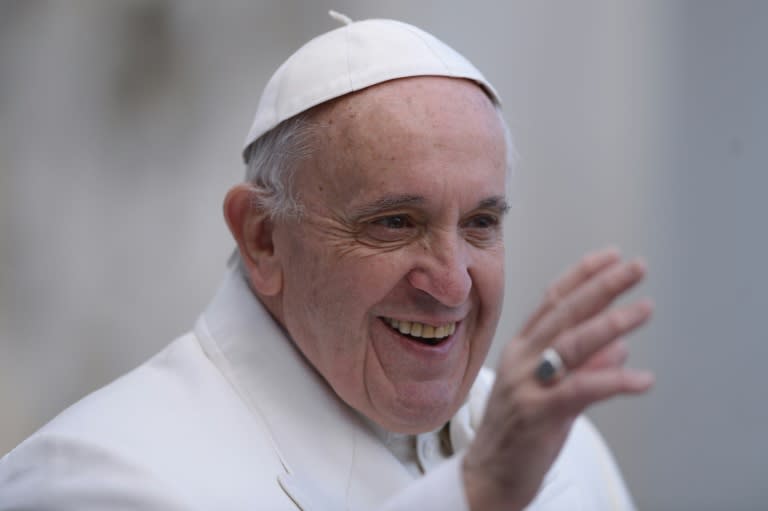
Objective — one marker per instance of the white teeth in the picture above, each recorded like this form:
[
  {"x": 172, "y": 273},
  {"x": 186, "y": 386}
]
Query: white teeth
[{"x": 422, "y": 330}]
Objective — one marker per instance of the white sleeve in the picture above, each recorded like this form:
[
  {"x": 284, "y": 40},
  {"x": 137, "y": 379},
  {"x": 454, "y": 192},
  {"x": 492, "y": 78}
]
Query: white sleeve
[
  {"x": 584, "y": 477},
  {"x": 599, "y": 474}
]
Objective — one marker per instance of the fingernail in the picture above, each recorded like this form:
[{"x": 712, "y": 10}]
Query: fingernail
[
  {"x": 611, "y": 251},
  {"x": 648, "y": 304},
  {"x": 645, "y": 379}
]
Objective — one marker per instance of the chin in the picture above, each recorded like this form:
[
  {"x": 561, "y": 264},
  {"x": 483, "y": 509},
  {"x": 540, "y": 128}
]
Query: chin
[{"x": 414, "y": 414}]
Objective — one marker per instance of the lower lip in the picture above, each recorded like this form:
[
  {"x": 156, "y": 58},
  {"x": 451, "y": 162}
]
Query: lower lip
[{"x": 423, "y": 349}]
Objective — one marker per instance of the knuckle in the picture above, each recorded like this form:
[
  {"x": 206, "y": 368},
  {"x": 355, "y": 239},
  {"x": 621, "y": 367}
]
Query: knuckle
[
  {"x": 527, "y": 414},
  {"x": 583, "y": 271},
  {"x": 617, "y": 280},
  {"x": 615, "y": 323},
  {"x": 571, "y": 349},
  {"x": 622, "y": 352},
  {"x": 608, "y": 285},
  {"x": 587, "y": 263},
  {"x": 575, "y": 389},
  {"x": 566, "y": 312},
  {"x": 570, "y": 398}
]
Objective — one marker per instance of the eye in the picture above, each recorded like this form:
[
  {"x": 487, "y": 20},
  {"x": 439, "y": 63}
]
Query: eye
[
  {"x": 483, "y": 222},
  {"x": 483, "y": 229},
  {"x": 394, "y": 222},
  {"x": 391, "y": 228}
]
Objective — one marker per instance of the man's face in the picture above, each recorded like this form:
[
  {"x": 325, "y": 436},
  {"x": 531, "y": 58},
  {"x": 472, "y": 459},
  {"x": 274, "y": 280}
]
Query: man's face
[{"x": 403, "y": 203}]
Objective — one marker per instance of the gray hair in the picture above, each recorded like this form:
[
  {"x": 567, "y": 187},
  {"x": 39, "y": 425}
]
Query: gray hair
[{"x": 271, "y": 163}]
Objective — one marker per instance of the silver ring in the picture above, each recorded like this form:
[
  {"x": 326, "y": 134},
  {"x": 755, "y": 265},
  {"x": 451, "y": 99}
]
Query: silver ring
[{"x": 551, "y": 366}]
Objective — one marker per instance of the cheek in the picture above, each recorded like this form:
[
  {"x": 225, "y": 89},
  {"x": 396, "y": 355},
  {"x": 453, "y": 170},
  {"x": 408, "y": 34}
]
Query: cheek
[
  {"x": 489, "y": 279},
  {"x": 311, "y": 273},
  {"x": 362, "y": 279},
  {"x": 332, "y": 297}
]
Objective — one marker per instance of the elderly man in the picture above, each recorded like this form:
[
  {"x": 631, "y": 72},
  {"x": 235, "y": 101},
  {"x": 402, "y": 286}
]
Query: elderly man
[{"x": 339, "y": 365}]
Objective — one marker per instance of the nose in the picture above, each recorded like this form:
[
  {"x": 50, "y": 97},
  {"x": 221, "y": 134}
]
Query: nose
[{"x": 443, "y": 271}]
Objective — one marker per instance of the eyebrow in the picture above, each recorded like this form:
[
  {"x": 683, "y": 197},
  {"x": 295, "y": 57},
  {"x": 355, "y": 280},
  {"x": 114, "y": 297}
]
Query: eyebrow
[
  {"x": 387, "y": 203},
  {"x": 395, "y": 201},
  {"x": 496, "y": 202}
]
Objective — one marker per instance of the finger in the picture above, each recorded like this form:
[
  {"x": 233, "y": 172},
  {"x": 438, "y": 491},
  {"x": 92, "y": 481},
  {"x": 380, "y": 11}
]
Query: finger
[
  {"x": 577, "y": 345},
  {"x": 613, "y": 354},
  {"x": 582, "y": 389},
  {"x": 588, "y": 300},
  {"x": 589, "y": 265}
]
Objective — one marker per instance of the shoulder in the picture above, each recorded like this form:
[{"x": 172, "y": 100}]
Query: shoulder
[
  {"x": 49, "y": 471},
  {"x": 165, "y": 429},
  {"x": 174, "y": 397}
]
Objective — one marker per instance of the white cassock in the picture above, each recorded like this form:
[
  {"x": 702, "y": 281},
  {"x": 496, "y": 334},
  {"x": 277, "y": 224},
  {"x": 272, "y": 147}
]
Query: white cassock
[{"x": 231, "y": 417}]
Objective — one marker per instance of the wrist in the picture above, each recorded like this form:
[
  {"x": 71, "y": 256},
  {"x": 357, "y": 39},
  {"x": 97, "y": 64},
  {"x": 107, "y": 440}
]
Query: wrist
[{"x": 485, "y": 493}]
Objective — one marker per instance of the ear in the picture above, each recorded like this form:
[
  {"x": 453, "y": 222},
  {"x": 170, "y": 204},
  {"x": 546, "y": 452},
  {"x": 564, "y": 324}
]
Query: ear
[{"x": 252, "y": 229}]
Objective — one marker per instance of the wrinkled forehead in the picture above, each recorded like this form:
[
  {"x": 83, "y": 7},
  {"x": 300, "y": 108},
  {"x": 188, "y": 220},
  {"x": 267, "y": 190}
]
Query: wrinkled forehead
[
  {"x": 428, "y": 108},
  {"x": 415, "y": 130}
]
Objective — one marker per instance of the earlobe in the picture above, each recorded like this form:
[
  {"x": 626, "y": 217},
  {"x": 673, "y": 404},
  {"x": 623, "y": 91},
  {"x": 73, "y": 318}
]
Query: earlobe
[{"x": 253, "y": 229}]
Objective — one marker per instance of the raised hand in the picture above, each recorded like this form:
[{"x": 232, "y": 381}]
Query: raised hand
[{"x": 531, "y": 408}]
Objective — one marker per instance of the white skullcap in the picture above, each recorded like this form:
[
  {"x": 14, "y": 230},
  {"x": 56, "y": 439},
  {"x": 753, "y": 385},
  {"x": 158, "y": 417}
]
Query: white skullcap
[{"x": 353, "y": 57}]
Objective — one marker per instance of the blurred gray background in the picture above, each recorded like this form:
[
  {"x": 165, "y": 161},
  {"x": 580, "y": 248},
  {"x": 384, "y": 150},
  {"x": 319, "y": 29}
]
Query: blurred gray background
[{"x": 639, "y": 123}]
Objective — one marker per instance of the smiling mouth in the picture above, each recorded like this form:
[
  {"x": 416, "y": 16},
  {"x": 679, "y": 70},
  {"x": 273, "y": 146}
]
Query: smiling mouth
[{"x": 421, "y": 332}]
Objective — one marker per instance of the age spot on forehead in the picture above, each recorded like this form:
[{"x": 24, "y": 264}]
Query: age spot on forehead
[{"x": 415, "y": 130}]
